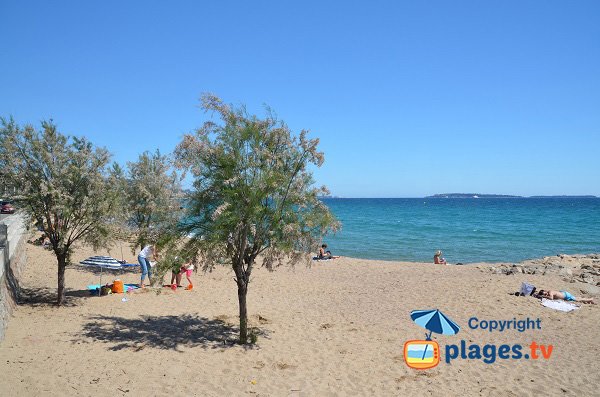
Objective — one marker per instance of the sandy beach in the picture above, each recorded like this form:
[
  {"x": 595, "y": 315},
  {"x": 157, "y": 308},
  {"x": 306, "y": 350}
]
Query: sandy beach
[{"x": 336, "y": 328}]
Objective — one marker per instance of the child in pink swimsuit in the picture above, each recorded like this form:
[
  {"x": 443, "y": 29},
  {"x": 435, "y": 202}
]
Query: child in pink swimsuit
[{"x": 187, "y": 268}]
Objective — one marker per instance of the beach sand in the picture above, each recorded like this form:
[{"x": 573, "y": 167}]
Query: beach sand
[{"x": 336, "y": 328}]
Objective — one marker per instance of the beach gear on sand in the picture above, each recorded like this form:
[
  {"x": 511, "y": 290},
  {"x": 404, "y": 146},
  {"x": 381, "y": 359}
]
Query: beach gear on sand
[
  {"x": 561, "y": 305},
  {"x": 117, "y": 287},
  {"x": 105, "y": 290},
  {"x": 95, "y": 288},
  {"x": 527, "y": 289},
  {"x": 105, "y": 262}
]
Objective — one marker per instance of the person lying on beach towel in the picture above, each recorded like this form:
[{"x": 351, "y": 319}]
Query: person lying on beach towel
[
  {"x": 564, "y": 295},
  {"x": 325, "y": 254}
]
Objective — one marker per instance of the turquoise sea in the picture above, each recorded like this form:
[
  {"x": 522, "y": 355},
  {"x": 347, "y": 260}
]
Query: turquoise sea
[{"x": 466, "y": 230}]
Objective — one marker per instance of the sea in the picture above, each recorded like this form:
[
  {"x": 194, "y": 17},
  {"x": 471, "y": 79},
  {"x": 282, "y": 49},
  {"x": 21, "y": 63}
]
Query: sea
[{"x": 466, "y": 230}]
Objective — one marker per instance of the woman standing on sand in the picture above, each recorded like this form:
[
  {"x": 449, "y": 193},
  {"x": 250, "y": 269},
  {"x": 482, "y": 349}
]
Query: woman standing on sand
[{"x": 144, "y": 260}]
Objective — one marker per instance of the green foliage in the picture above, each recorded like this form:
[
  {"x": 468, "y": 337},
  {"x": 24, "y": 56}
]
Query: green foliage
[
  {"x": 253, "y": 336},
  {"x": 153, "y": 198},
  {"x": 64, "y": 183},
  {"x": 253, "y": 193},
  {"x": 172, "y": 255},
  {"x": 170, "y": 261}
]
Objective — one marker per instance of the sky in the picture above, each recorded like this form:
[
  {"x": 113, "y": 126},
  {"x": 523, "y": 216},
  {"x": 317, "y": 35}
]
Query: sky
[{"x": 408, "y": 98}]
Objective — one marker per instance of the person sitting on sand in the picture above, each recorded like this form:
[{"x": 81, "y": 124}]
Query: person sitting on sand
[
  {"x": 564, "y": 295},
  {"x": 325, "y": 254},
  {"x": 437, "y": 258}
]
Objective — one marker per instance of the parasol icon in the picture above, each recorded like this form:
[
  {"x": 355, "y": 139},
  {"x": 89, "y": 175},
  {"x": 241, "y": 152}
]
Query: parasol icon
[{"x": 434, "y": 321}]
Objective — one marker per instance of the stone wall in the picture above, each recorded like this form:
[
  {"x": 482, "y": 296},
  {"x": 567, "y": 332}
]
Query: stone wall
[{"x": 13, "y": 259}]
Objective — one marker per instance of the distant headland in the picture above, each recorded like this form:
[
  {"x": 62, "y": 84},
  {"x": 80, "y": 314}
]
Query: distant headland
[{"x": 480, "y": 195}]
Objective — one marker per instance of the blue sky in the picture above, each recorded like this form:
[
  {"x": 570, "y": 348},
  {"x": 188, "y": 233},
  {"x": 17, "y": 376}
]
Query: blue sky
[{"x": 408, "y": 98}]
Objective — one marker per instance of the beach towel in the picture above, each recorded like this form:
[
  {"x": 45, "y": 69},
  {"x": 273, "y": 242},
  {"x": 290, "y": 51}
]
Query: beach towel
[
  {"x": 561, "y": 305},
  {"x": 93, "y": 288},
  {"x": 316, "y": 258},
  {"x": 130, "y": 287}
]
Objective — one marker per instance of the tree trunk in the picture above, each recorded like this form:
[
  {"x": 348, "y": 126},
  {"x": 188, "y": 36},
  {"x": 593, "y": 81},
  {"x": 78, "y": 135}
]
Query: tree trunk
[
  {"x": 62, "y": 265},
  {"x": 242, "y": 291}
]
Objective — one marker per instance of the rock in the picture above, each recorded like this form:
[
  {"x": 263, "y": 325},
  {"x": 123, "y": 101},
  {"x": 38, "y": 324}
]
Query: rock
[
  {"x": 589, "y": 279},
  {"x": 565, "y": 272},
  {"x": 589, "y": 289}
]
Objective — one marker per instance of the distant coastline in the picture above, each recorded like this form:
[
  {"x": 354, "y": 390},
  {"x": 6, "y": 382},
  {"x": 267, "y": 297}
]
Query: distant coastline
[
  {"x": 480, "y": 195},
  {"x": 465, "y": 195}
]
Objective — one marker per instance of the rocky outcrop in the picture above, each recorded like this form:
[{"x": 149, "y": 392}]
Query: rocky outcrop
[{"x": 572, "y": 268}]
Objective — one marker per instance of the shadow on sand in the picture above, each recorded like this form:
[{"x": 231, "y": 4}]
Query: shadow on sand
[
  {"x": 48, "y": 296},
  {"x": 164, "y": 332}
]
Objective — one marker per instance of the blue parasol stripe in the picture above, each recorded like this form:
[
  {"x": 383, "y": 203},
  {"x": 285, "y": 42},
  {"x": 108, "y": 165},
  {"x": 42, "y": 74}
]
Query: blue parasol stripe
[
  {"x": 424, "y": 319},
  {"x": 435, "y": 324},
  {"x": 416, "y": 314},
  {"x": 450, "y": 327},
  {"x": 419, "y": 313},
  {"x": 447, "y": 328},
  {"x": 434, "y": 321}
]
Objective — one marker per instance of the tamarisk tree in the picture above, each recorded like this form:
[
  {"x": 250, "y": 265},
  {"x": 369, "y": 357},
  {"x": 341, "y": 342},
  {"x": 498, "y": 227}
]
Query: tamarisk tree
[
  {"x": 253, "y": 194},
  {"x": 65, "y": 186},
  {"x": 153, "y": 197}
]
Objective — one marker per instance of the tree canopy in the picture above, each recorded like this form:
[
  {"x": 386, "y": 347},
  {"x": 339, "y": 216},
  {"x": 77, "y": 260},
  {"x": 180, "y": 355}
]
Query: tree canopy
[
  {"x": 64, "y": 185},
  {"x": 253, "y": 193},
  {"x": 153, "y": 197}
]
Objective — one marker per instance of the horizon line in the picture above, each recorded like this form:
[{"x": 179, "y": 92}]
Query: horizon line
[{"x": 485, "y": 196}]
